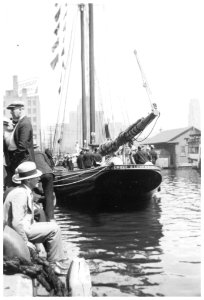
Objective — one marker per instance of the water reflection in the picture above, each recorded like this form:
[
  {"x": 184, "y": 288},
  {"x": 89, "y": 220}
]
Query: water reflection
[
  {"x": 154, "y": 251},
  {"x": 117, "y": 249}
]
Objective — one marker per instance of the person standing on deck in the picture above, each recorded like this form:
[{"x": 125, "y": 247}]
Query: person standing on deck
[
  {"x": 19, "y": 215},
  {"x": 97, "y": 157},
  {"x": 153, "y": 154},
  {"x": 141, "y": 156},
  {"x": 88, "y": 158},
  {"x": 80, "y": 163},
  {"x": 20, "y": 146}
]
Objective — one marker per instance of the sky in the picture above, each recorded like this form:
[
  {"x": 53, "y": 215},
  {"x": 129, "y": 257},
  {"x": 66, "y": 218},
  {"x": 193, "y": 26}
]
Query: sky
[{"x": 167, "y": 35}]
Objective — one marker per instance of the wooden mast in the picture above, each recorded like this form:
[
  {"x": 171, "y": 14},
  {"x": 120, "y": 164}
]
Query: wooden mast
[
  {"x": 84, "y": 121},
  {"x": 91, "y": 74}
]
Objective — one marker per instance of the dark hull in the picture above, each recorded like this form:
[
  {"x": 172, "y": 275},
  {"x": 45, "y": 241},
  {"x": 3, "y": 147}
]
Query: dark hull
[{"x": 108, "y": 186}]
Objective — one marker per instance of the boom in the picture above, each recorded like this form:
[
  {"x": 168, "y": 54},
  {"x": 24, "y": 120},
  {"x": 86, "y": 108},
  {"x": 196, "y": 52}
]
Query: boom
[{"x": 127, "y": 135}]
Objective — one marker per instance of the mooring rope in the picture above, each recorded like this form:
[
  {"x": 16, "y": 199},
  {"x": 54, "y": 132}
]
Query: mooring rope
[{"x": 38, "y": 268}]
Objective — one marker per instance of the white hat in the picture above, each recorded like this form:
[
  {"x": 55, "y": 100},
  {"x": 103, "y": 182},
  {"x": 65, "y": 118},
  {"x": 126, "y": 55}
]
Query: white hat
[
  {"x": 152, "y": 146},
  {"x": 26, "y": 170}
]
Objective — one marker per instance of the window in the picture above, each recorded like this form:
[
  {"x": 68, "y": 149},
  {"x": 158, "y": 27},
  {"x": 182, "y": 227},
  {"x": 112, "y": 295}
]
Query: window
[
  {"x": 34, "y": 110},
  {"x": 183, "y": 151},
  {"x": 34, "y": 119},
  {"x": 29, "y": 111},
  {"x": 193, "y": 149},
  {"x": 29, "y": 103}
]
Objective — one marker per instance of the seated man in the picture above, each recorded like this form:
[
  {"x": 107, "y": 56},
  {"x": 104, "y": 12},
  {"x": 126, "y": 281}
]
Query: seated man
[{"x": 18, "y": 214}]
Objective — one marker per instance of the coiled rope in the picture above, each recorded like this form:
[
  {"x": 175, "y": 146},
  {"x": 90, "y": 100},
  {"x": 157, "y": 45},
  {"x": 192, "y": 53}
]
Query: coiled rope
[{"x": 38, "y": 268}]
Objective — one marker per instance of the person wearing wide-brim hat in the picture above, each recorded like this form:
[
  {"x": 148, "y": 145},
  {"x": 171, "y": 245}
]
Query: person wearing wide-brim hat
[
  {"x": 19, "y": 211},
  {"x": 20, "y": 147}
]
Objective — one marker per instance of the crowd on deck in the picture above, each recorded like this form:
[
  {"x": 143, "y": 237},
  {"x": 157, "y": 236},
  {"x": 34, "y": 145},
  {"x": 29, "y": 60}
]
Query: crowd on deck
[{"x": 88, "y": 158}]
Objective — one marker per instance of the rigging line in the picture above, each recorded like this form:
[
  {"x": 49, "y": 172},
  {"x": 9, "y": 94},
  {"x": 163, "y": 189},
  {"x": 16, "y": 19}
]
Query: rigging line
[
  {"x": 144, "y": 79},
  {"x": 100, "y": 117},
  {"x": 101, "y": 106},
  {"x": 70, "y": 55},
  {"x": 136, "y": 139},
  {"x": 58, "y": 185},
  {"x": 58, "y": 115},
  {"x": 64, "y": 81}
]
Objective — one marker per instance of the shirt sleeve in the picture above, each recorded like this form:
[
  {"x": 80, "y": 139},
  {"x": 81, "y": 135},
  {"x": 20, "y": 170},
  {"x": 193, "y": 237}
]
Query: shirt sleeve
[{"x": 19, "y": 210}]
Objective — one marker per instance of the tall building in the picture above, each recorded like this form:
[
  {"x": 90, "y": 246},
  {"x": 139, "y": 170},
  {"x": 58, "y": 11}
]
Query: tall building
[
  {"x": 194, "y": 113},
  {"x": 27, "y": 91}
]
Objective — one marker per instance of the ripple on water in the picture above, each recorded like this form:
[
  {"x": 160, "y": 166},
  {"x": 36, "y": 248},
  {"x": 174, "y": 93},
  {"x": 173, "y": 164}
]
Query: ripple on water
[{"x": 152, "y": 252}]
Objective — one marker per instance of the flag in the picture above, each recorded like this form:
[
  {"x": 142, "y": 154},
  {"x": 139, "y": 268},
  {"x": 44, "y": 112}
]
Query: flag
[
  {"x": 54, "y": 61},
  {"x": 64, "y": 27},
  {"x": 65, "y": 15},
  {"x": 59, "y": 90},
  {"x": 59, "y": 141},
  {"x": 57, "y": 15},
  {"x": 56, "y": 4},
  {"x": 62, "y": 52},
  {"x": 57, "y": 28},
  {"x": 63, "y": 66},
  {"x": 56, "y": 44}
]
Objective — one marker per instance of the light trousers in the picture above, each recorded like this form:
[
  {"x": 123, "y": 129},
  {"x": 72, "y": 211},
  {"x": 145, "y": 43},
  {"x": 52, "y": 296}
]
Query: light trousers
[{"x": 49, "y": 234}]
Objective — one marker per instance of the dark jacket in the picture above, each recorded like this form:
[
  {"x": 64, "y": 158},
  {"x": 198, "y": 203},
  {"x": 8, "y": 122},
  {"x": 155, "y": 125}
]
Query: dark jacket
[
  {"x": 141, "y": 157},
  {"x": 23, "y": 137},
  {"x": 80, "y": 162},
  {"x": 42, "y": 162},
  {"x": 49, "y": 156},
  {"x": 88, "y": 159}
]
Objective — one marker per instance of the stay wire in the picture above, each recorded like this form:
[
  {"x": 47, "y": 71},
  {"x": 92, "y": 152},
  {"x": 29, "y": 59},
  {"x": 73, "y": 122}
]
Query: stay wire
[{"x": 136, "y": 139}]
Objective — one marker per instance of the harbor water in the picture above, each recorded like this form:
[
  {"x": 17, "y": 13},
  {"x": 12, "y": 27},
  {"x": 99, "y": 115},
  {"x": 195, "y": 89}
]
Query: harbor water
[{"x": 154, "y": 251}]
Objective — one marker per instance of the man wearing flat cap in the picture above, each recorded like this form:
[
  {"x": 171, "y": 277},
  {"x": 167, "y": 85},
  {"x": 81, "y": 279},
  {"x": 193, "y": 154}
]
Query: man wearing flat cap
[{"x": 20, "y": 146}]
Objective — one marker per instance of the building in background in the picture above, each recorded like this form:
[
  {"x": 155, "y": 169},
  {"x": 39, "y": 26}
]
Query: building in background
[
  {"x": 27, "y": 91},
  {"x": 194, "y": 113},
  {"x": 177, "y": 147},
  {"x": 70, "y": 133}
]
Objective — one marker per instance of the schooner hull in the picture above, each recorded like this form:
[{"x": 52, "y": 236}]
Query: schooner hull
[{"x": 108, "y": 186}]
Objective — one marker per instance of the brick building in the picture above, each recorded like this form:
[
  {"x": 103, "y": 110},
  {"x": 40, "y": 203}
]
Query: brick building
[{"x": 27, "y": 91}]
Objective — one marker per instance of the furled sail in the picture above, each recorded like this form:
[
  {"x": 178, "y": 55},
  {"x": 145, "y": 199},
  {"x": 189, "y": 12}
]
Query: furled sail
[{"x": 127, "y": 135}]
